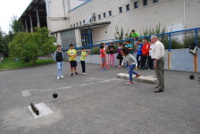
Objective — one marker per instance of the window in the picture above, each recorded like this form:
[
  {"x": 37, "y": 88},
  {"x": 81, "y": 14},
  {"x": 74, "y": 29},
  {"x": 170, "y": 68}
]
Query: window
[
  {"x": 144, "y": 2},
  {"x": 154, "y": 1},
  {"x": 127, "y": 7},
  {"x": 120, "y": 9},
  {"x": 104, "y": 15},
  {"x": 80, "y": 23},
  {"x": 110, "y": 13},
  {"x": 71, "y": 26},
  {"x": 90, "y": 20},
  {"x": 76, "y": 23},
  {"x": 83, "y": 21},
  {"x": 94, "y": 18},
  {"x": 99, "y": 16},
  {"x": 135, "y": 4}
]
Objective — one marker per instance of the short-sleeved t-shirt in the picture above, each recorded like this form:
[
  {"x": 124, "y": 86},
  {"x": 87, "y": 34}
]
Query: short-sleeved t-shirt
[
  {"x": 139, "y": 50},
  {"x": 130, "y": 46},
  {"x": 111, "y": 51},
  {"x": 102, "y": 52},
  {"x": 83, "y": 55},
  {"x": 71, "y": 52},
  {"x": 136, "y": 35}
]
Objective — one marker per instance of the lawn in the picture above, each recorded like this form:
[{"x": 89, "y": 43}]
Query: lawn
[{"x": 10, "y": 63}]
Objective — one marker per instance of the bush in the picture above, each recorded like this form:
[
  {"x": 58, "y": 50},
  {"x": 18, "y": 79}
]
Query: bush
[
  {"x": 189, "y": 39},
  {"x": 30, "y": 46}
]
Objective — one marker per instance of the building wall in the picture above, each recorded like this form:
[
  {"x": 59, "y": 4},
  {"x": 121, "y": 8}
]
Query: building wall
[
  {"x": 58, "y": 19},
  {"x": 165, "y": 12}
]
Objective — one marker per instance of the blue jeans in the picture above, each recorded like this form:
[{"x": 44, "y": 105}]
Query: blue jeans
[
  {"x": 59, "y": 68},
  {"x": 131, "y": 72}
]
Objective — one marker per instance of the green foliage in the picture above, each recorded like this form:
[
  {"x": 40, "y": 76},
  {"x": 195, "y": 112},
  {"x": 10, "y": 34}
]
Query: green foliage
[
  {"x": 151, "y": 31},
  {"x": 95, "y": 50},
  {"x": 30, "y": 46},
  {"x": 10, "y": 63},
  {"x": 16, "y": 25},
  {"x": 174, "y": 43},
  {"x": 188, "y": 39},
  {"x": 119, "y": 35}
]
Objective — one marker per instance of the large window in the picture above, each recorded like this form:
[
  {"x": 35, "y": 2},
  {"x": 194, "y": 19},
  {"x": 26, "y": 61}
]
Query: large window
[
  {"x": 154, "y": 1},
  {"x": 135, "y": 4},
  {"x": 120, "y": 9},
  {"x": 127, "y": 7},
  {"x": 145, "y": 2},
  {"x": 99, "y": 16},
  {"x": 94, "y": 18},
  {"x": 104, "y": 15},
  {"x": 110, "y": 13}
]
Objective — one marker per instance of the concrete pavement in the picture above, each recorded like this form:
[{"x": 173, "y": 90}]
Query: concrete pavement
[{"x": 98, "y": 103}]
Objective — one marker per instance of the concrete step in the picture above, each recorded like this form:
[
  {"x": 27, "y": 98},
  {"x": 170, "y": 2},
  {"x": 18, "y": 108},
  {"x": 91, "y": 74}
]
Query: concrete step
[{"x": 143, "y": 79}]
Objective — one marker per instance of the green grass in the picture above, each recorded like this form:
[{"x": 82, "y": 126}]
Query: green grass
[{"x": 10, "y": 63}]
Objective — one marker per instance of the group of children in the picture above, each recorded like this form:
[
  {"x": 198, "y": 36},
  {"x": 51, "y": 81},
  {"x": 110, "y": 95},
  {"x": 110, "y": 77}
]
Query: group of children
[
  {"x": 125, "y": 57},
  {"x": 59, "y": 58}
]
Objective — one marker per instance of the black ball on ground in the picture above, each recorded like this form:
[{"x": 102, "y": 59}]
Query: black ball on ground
[
  {"x": 55, "y": 95},
  {"x": 191, "y": 77}
]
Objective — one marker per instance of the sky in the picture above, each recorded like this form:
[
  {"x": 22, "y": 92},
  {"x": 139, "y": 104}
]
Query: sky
[{"x": 8, "y": 8}]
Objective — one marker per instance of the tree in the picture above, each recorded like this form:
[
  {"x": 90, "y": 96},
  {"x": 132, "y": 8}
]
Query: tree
[
  {"x": 16, "y": 26},
  {"x": 30, "y": 46}
]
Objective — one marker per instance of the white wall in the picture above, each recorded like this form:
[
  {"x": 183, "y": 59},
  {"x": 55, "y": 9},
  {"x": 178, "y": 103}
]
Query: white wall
[{"x": 165, "y": 12}]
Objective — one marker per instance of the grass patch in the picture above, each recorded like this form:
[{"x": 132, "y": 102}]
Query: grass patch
[{"x": 10, "y": 63}]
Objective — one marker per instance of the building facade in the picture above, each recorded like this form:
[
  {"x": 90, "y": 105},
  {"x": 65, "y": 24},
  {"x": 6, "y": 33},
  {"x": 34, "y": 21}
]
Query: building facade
[{"x": 95, "y": 20}]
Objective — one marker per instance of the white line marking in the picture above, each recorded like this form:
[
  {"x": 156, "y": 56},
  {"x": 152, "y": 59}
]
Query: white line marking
[
  {"x": 86, "y": 84},
  {"x": 46, "y": 90},
  {"x": 26, "y": 93},
  {"x": 63, "y": 88}
]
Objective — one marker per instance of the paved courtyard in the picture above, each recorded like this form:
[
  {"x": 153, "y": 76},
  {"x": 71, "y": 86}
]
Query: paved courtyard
[{"x": 98, "y": 103}]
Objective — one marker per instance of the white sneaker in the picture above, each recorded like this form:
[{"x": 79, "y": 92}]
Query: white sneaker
[
  {"x": 61, "y": 76},
  {"x": 58, "y": 77},
  {"x": 84, "y": 73}
]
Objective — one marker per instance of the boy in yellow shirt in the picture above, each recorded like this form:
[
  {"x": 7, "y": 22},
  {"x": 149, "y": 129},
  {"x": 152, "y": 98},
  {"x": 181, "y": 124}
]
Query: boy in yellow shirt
[
  {"x": 84, "y": 54},
  {"x": 72, "y": 59}
]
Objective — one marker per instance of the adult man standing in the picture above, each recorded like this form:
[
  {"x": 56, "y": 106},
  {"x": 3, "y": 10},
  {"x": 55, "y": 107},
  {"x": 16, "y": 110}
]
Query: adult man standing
[{"x": 158, "y": 53}]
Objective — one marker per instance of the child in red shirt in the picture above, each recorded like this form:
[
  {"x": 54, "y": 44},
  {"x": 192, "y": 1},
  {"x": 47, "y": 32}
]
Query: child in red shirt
[
  {"x": 145, "y": 53},
  {"x": 103, "y": 58}
]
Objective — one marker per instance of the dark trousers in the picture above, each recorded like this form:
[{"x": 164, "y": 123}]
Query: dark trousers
[
  {"x": 139, "y": 58},
  {"x": 83, "y": 66},
  {"x": 144, "y": 61},
  {"x": 120, "y": 61},
  {"x": 150, "y": 62}
]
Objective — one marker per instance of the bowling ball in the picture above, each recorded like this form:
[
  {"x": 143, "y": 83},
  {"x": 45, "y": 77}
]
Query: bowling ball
[
  {"x": 55, "y": 95},
  {"x": 191, "y": 77}
]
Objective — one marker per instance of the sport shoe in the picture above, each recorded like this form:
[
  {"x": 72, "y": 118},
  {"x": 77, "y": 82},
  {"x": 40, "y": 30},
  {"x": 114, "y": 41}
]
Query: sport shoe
[
  {"x": 137, "y": 75},
  {"x": 71, "y": 74},
  {"x": 58, "y": 77},
  {"x": 85, "y": 73},
  {"x": 119, "y": 66},
  {"x": 61, "y": 76},
  {"x": 77, "y": 73},
  {"x": 103, "y": 69},
  {"x": 130, "y": 82}
]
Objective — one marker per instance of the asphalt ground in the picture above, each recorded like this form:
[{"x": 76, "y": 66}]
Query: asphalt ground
[{"x": 98, "y": 103}]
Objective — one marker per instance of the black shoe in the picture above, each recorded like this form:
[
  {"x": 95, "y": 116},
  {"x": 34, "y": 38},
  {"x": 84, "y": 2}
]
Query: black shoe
[
  {"x": 77, "y": 73},
  {"x": 158, "y": 91},
  {"x": 71, "y": 74}
]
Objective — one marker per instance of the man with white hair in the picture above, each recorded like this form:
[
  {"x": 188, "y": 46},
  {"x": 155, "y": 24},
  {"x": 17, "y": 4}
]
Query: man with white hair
[{"x": 158, "y": 53}]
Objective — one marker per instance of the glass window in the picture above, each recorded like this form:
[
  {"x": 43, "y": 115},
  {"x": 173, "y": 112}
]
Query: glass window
[
  {"x": 120, "y": 9},
  {"x": 99, "y": 16},
  {"x": 154, "y": 1},
  {"x": 127, "y": 7},
  {"x": 135, "y": 4},
  {"x": 83, "y": 21},
  {"x": 144, "y": 2},
  {"x": 110, "y": 13},
  {"x": 104, "y": 15},
  {"x": 94, "y": 18},
  {"x": 80, "y": 23}
]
